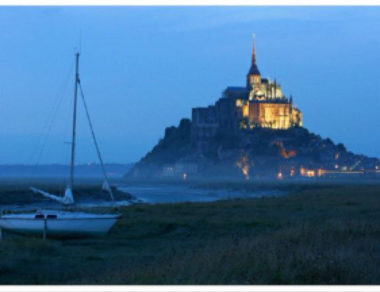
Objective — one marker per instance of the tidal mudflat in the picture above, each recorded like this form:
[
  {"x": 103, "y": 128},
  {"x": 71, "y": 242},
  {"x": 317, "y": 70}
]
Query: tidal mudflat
[{"x": 317, "y": 234}]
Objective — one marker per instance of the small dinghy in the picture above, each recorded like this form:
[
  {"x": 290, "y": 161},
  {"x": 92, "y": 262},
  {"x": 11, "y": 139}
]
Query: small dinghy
[{"x": 59, "y": 222}]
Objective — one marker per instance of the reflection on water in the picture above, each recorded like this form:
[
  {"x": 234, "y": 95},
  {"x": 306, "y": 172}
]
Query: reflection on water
[{"x": 174, "y": 194}]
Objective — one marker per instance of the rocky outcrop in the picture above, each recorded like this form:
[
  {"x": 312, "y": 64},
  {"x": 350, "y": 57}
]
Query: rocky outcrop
[{"x": 258, "y": 152}]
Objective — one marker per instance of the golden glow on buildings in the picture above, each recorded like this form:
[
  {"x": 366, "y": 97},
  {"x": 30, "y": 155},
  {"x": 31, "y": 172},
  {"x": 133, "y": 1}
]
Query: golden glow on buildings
[
  {"x": 322, "y": 172},
  {"x": 307, "y": 172},
  {"x": 267, "y": 106},
  {"x": 270, "y": 115},
  {"x": 312, "y": 172}
]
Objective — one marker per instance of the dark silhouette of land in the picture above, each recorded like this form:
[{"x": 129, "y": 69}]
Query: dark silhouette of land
[{"x": 257, "y": 153}]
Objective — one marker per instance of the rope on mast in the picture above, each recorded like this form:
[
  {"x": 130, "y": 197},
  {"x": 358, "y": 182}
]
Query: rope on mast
[
  {"x": 95, "y": 142},
  {"x": 72, "y": 160}
]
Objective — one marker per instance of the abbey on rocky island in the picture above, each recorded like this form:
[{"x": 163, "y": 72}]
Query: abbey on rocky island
[{"x": 261, "y": 103}]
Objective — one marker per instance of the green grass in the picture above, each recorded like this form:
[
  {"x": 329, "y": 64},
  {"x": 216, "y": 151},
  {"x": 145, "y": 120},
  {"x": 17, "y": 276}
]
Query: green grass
[{"x": 319, "y": 234}]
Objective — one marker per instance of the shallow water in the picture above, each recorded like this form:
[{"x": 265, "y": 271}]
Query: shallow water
[
  {"x": 175, "y": 194},
  {"x": 152, "y": 194}
]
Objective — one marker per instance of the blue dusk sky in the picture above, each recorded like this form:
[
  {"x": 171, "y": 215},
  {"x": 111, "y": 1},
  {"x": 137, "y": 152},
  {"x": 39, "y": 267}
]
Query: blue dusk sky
[{"x": 144, "y": 68}]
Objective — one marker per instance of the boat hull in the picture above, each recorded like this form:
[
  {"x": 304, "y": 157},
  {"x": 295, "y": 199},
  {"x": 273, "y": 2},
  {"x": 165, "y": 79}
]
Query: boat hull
[{"x": 65, "y": 226}]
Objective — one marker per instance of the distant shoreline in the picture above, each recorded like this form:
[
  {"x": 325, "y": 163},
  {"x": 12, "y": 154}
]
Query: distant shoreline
[{"x": 61, "y": 170}]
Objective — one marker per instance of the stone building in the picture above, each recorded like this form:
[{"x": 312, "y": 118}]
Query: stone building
[{"x": 261, "y": 103}]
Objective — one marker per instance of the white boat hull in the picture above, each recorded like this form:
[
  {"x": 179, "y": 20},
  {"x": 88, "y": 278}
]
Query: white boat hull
[{"x": 62, "y": 224}]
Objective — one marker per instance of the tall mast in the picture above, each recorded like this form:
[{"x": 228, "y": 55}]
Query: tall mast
[{"x": 71, "y": 181}]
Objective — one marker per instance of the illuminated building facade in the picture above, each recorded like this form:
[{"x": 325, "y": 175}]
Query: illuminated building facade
[{"x": 261, "y": 103}]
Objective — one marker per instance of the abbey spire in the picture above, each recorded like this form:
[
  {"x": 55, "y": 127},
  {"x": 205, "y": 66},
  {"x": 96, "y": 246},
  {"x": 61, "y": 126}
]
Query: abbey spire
[
  {"x": 253, "y": 75},
  {"x": 253, "y": 50}
]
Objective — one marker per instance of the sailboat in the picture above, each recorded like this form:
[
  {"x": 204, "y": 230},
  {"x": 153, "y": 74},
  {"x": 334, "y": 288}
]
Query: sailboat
[{"x": 59, "y": 222}]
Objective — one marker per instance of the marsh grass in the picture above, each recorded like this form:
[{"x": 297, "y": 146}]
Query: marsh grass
[{"x": 328, "y": 234}]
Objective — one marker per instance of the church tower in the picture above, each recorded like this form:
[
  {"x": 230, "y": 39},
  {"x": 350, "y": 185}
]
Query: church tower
[{"x": 253, "y": 76}]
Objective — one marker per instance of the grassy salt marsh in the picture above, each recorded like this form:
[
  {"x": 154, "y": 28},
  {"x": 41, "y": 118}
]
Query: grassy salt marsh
[{"x": 318, "y": 234}]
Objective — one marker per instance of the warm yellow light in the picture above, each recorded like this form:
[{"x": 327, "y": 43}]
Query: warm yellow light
[
  {"x": 283, "y": 152},
  {"x": 245, "y": 171},
  {"x": 267, "y": 114},
  {"x": 310, "y": 172},
  {"x": 239, "y": 102},
  {"x": 245, "y": 111},
  {"x": 244, "y": 166},
  {"x": 320, "y": 172}
]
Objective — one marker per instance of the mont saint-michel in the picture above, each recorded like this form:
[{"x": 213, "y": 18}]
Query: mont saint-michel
[
  {"x": 251, "y": 131},
  {"x": 262, "y": 171}
]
